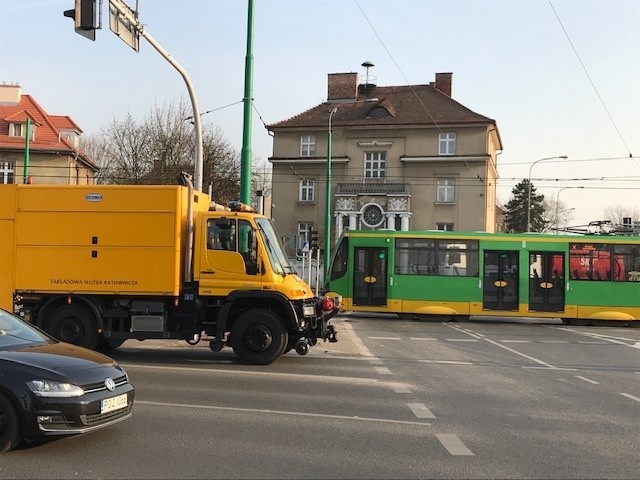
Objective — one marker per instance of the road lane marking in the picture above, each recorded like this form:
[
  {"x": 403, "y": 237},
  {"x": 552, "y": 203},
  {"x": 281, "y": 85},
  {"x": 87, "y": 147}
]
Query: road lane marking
[
  {"x": 631, "y": 397},
  {"x": 375, "y": 361},
  {"x": 400, "y": 388},
  {"x": 606, "y": 338},
  {"x": 593, "y": 382},
  {"x": 422, "y": 338},
  {"x": 498, "y": 344},
  {"x": 385, "y": 338},
  {"x": 554, "y": 341},
  {"x": 309, "y": 377},
  {"x": 515, "y": 341},
  {"x": 383, "y": 370},
  {"x": 447, "y": 362},
  {"x": 454, "y": 445},
  {"x": 420, "y": 410},
  {"x": 280, "y": 412},
  {"x": 461, "y": 340},
  {"x": 551, "y": 368}
]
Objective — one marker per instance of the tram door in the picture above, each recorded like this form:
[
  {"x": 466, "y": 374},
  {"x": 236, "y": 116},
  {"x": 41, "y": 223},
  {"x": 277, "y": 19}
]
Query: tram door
[
  {"x": 500, "y": 280},
  {"x": 546, "y": 281},
  {"x": 370, "y": 276}
]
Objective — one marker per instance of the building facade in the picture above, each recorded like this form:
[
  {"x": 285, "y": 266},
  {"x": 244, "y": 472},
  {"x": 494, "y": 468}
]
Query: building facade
[
  {"x": 399, "y": 157},
  {"x": 53, "y": 155}
]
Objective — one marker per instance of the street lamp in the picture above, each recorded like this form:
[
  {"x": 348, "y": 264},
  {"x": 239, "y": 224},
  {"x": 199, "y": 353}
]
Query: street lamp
[
  {"x": 529, "y": 193},
  {"x": 327, "y": 203},
  {"x": 558, "y": 203}
]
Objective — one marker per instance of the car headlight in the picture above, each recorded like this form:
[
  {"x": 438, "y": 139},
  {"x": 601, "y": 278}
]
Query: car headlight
[
  {"x": 48, "y": 388},
  {"x": 309, "y": 310}
]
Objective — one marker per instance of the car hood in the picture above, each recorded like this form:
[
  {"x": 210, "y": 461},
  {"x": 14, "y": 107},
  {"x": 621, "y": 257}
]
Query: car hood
[{"x": 61, "y": 359}]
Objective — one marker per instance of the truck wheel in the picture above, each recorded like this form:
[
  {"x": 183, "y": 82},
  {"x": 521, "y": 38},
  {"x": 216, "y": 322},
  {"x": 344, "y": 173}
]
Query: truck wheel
[
  {"x": 74, "y": 324},
  {"x": 9, "y": 426},
  {"x": 258, "y": 337}
]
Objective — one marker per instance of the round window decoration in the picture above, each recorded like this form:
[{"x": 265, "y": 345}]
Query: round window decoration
[{"x": 372, "y": 215}]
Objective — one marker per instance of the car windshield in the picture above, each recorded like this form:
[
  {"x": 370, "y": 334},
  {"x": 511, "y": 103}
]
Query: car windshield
[
  {"x": 16, "y": 333},
  {"x": 275, "y": 252}
]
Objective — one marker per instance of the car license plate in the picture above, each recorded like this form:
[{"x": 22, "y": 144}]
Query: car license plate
[{"x": 113, "y": 403}]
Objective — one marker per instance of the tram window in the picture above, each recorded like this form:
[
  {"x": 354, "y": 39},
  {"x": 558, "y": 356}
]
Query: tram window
[
  {"x": 458, "y": 258},
  {"x": 339, "y": 268},
  {"x": 415, "y": 256},
  {"x": 590, "y": 261},
  {"x": 419, "y": 256},
  {"x": 626, "y": 263}
]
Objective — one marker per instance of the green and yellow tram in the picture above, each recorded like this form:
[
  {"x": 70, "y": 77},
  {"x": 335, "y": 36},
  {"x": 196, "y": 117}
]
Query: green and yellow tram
[{"x": 580, "y": 279}]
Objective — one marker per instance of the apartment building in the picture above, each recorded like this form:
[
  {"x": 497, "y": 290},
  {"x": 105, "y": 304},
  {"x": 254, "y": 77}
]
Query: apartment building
[
  {"x": 53, "y": 155},
  {"x": 399, "y": 157}
]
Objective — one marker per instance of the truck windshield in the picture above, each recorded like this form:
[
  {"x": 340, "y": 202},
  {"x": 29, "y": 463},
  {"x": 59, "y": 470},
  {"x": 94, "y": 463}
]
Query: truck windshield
[{"x": 277, "y": 257}]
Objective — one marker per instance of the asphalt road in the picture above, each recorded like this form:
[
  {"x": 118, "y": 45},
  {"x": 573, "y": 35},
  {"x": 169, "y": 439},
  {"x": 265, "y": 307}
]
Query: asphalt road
[{"x": 392, "y": 399}]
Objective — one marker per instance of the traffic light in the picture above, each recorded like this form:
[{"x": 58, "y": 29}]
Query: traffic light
[
  {"x": 313, "y": 239},
  {"x": 84, "y": 17}
]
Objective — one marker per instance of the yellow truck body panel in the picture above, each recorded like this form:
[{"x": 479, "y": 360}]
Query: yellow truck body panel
[{"x": 94, "y": 239}]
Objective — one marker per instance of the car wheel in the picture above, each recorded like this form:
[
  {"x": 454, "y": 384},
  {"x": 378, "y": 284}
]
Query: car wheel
[
  {"x": 74, "y": 324},
  {"x": 258, "y": 337},
  {"x": 9, "y": 426}
]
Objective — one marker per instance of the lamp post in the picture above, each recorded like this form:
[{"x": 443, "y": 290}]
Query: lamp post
[
  {"x": 529, "y": 187},
  {"x": 327, "y": 203},
  {"x": 558, "y": 203}
]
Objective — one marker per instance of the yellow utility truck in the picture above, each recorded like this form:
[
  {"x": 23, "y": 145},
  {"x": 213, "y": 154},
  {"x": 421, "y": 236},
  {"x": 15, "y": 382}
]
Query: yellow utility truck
[{"x": 96, "y": 265}]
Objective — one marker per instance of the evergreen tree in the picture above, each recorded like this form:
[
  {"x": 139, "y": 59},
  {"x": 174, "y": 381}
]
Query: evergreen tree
[{"x": 516, "y": 209}]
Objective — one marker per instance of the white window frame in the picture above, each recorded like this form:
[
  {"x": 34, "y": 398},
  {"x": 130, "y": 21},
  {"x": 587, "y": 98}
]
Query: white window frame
[
  {"x": 307, "y": 145},
  {"x": 447, "y": 143},
  {"x": 444, "y": 227},
  {"x": 446, "y": 190},
  {"x": 307, "y": 190},
  {"x": 7, "y": 172},
  {"x": 375, "y": 164}
]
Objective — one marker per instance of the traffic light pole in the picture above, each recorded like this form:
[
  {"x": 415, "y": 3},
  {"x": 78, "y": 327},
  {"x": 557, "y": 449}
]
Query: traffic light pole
[{"x": 84, "y": 23}]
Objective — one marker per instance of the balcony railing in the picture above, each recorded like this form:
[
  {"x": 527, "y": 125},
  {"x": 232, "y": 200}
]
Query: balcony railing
[{"x": 372, "y": 188}]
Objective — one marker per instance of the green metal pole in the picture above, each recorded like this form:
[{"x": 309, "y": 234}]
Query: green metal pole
[
  {"x": 26, "y": 153},
  {"x": 245, "y": 154}
]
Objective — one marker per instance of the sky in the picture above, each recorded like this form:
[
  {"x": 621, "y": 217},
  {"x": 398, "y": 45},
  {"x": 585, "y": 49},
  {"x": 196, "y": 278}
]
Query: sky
[{"x": 560, "y": 77}]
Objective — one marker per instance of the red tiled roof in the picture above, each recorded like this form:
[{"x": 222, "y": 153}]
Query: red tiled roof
[
  {"x": 47, "y": 135},
  {"x": 407, "y": 105},
  {"x": 64, "y": 122}
]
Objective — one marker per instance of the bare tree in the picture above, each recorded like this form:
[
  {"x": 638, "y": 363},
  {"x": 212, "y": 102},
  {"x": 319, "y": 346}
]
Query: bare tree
[
  {"x": 616, "y": 213},
  {"x": 556, "y": 215},
  {"x": 157, "y": 149}
]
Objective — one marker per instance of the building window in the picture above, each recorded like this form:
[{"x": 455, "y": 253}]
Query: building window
[
  {"x": 307, "y": 145},
  {"x": 7, "y": 170},
  {"x": 447, "y": 144},
  {"x": 307, "y": 190},
  {"x": 446, "y": 191},
  {"x": 445, "y": 227},
  {"x": 375, "y": 164},
  {"x": 303, "y": 233},
  {"x": 17, "y": 129}
]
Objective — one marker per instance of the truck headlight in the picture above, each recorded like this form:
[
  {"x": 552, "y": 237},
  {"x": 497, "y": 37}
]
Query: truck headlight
[{"x": 309, "y": 310}]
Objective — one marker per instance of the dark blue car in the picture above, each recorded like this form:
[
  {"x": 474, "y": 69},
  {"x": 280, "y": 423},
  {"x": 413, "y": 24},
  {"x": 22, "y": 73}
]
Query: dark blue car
[{"x": 50, "y": 388}]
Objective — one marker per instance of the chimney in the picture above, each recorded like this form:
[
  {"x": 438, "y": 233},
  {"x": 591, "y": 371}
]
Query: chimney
[
  {"x": 342, "y": 86},
  {"x": 443, "y": 83},
  {"x": 9, "y": 94}
]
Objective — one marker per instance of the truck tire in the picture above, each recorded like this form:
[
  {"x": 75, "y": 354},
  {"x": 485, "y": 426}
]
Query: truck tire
[
  {"x": 74, "y": 324},
  {"x": 258, "y": 336},
  {"x": 9, "y": 426}
]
